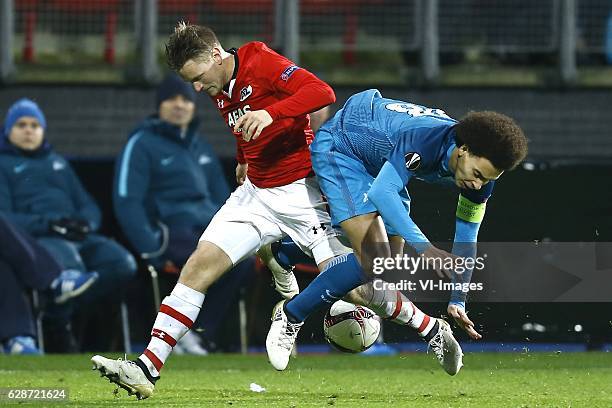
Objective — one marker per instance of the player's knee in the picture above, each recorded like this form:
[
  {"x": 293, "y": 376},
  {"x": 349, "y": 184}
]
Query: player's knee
[{"x": 205, "y": 265}]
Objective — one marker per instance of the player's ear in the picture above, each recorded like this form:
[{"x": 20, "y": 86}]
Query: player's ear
[
  {"x": 463, "y": 149},
  {"x": 216, "y": 55}
]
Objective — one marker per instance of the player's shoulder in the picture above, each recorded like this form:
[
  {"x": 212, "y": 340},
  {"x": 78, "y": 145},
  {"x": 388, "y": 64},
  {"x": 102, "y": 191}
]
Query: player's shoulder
[
  {"x": 259, "y": 52},
  {"x": 253, "y": 48},
  {"x": 253, "y": 57},
  {"x": 423, "y": 145},
  {"x": 260, "y": 61}
]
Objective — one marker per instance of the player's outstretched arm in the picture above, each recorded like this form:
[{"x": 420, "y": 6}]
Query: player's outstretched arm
[
  {"x": 470, "y": 213},
  {"x": 303, "y": 91}
]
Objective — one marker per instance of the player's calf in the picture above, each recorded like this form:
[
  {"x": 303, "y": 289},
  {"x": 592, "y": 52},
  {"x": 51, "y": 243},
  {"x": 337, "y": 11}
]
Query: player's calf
[{"x": 175, "y": 318}]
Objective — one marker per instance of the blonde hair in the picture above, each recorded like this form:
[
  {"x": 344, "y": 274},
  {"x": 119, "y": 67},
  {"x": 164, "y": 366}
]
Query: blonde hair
[{"x": 189, "y": 41}]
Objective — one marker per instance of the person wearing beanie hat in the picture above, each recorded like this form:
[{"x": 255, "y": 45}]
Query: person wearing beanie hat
[
  {"x": 168, "y": 185},
  {"x": 171, "y": 86},
  {"x": 24, "y": 107},
  {"x": 40, "y": 192},
  {"x": 29, "y": 122}
]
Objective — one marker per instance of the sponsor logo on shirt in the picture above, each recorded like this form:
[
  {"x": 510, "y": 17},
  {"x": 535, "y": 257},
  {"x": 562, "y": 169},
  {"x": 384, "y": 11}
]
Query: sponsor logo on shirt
[
  {"x": 245, "y": 92},
  {"x": 288, "y": 72},
  {"x": 233, "y": 116},
  {"x": 58, "y": 165},
  {"x": 20, "y": 167},
  {"x": 413, "y": 161}
]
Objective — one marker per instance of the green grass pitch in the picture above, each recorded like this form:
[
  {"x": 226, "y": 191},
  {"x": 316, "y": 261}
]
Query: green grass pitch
[{"x": 410, "y": 380}]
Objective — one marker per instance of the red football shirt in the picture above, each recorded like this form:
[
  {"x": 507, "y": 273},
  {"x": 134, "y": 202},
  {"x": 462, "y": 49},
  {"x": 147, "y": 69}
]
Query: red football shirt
[{"x": 267, "y": 80}]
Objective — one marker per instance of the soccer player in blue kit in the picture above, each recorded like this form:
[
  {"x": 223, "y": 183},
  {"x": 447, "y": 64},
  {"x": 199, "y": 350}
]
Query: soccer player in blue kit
[{"x": 364, "y": 157}]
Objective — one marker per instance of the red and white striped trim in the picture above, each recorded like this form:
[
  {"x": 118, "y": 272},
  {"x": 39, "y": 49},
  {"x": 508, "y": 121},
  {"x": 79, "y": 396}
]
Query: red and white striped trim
[
  {"x": 162, "y": 335},
  {"x": 157, "y": 363},
  {"x": 176, "y": 315},
  {"x": 398, "y": 306}
]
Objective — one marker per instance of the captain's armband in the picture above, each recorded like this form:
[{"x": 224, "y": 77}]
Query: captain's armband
[{"x": 470, "y": 211}]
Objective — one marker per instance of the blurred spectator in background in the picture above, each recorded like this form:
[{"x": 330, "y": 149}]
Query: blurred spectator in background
[
  {"x": 168, "y": 185},
  {"x": 40, "y": 192},
  {"x": 25, "y": 265}
]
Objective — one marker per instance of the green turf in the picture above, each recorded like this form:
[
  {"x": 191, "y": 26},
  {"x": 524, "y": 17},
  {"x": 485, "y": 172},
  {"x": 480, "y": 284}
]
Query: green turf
[{"x": 415, "y": 380}]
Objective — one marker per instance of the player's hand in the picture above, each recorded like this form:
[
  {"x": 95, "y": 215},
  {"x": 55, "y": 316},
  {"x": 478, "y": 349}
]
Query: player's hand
[
  {"x": 241, "y": 173},
  {"x": 437, "y": 256},
  {"x": 252, "y": 123},
  {"x": 463, "y": 321}
]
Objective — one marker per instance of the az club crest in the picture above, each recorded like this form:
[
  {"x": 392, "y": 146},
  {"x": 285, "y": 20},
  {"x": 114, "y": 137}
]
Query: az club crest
[
  {"x": 413, "y": 161},
  {"x": 245, "y": 92}
]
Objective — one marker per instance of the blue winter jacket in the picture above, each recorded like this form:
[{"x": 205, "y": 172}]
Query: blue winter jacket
[
  {"x": 40, "y": 186},
  {"x": 163, "y": 175}
]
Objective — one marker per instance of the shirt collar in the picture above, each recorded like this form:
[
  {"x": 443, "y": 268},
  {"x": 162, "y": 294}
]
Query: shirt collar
[{"x": 229, "y": 87}]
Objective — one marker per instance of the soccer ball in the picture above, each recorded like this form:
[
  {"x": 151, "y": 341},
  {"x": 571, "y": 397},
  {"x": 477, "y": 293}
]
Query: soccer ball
[{"x": 350, "y": 328}]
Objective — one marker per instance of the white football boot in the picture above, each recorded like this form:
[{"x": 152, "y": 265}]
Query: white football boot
[
  {"x": 281, "y": 337},
  {"x": 284, "y": 280},
  {"x": 129, "y": 375},
  {"x": 447, "y": 348}
]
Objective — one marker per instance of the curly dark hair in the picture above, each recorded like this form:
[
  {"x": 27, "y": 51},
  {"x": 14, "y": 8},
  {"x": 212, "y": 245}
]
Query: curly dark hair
[
  {"x": 493, "y": 136},
  {"x": 189, "y": 41}
]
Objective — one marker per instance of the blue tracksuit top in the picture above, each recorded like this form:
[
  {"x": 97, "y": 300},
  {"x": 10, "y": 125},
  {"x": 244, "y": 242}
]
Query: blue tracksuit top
[
  {"x": 165, "y": 175},
  {"x": 40, "y": 186}
]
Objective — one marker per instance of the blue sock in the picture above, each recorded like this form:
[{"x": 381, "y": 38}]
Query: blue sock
[
  {"x": 288, "y": 254},
  {"x": 341, "y": 275}
]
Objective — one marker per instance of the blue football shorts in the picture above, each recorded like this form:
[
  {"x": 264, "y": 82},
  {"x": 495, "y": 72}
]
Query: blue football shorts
[{"x": 343, "y": 178}]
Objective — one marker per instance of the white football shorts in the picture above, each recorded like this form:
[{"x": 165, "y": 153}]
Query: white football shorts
[{"x": 252, "y": 217}]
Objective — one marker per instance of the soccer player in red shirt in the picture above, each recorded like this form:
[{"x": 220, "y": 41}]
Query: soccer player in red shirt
[{"x": 265, "y": 100}]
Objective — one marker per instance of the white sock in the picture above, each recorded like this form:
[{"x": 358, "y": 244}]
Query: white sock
[{"x": 176, "y": 316}]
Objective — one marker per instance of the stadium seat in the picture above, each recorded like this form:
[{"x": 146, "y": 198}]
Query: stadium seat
[
  {"x": 350, "y": 10},
  {"x": 108, "y": 8},
  {"x": 28, "y": 9}
]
